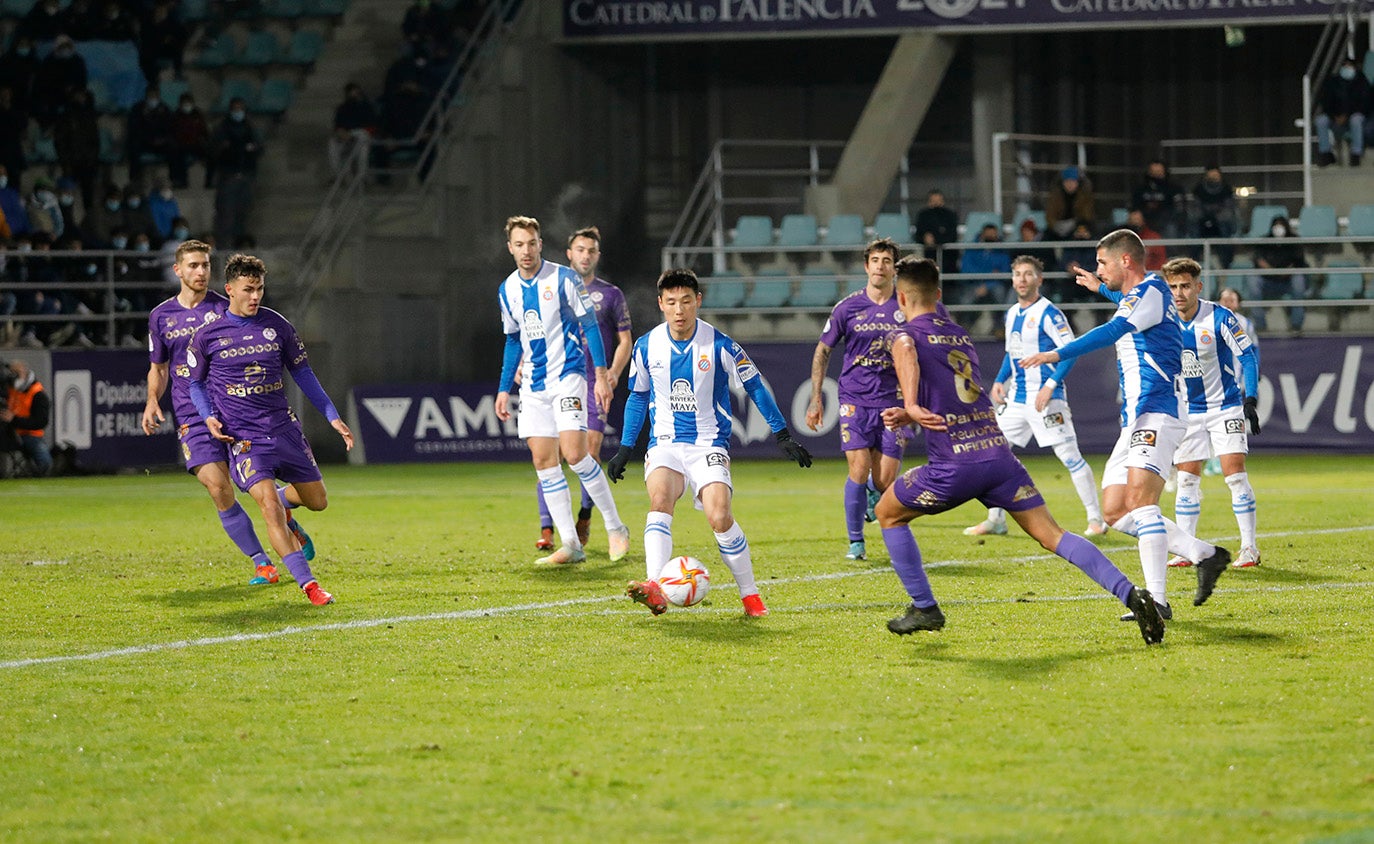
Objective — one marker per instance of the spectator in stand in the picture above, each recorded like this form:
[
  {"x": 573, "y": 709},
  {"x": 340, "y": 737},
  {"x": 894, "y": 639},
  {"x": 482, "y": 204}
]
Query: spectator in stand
[
  {"x": 76, "y": 136},
  {"x": 44, "y": 22},
  {"x": 115, "y": 25},
  {"x": 1030, "y": 234},
  {"x": 79, "y": 20},
  {"x": 1074, "y": 258},
  {"x": 164, "y": 208},
  {"x": 1069, "y": 203},
  {"x": 994, "y": 262},
  {"x": 1272, "y": 254},
  {"x": 407, "y": 69},
  {"x": 150, "y": 132},
  {"x": 18, "y": 67},
  {"x": 401, "y": 121},
  {"x": 45, "y": 212},
  {"x": 12, "y": 204},
  {"x": 167, "y": 277},
  {"x": 426, "y": 25},
  {"x": 1161, "y": 201},
  {"x": 235, "y": 146},
  {"x": 42, "y": 271},
  {"x": 31, "y": 271},
  {"x": 1215, "y": 212},
  {"x": 103, "y": 218},
  {"x": 14, "y": 124},
  {"x": 162, "y": 41},
  {"x": 1343, "y": 101},
  {"x": 190, "y": 141},
  {"x": 66, "y": 200},
  {"x": 936, "y": 225},
  {"x": 137, "y": 218},
  {"x": 62, "y": 72},
  {"x": 355, "y": 122},
  {"x": 1155, "y": 256}
]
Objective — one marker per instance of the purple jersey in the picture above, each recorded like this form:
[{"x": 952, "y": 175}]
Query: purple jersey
[
  {"x": 612, "y": 317},
  {"x": 863, "y": 326},
  {"x": 243, "y": 361},
  {"x": 170, "y": 328},
  {"x": 949, "y": 386}
]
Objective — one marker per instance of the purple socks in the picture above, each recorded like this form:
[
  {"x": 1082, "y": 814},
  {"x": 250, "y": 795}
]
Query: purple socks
[
  {"x": 1094, "y": 564},
  {"x": 299, "y": 568},
  {"x": 855, "y": 502},
  {"x": 240, "y": 529},
  {"x": 906, "y": 560}
]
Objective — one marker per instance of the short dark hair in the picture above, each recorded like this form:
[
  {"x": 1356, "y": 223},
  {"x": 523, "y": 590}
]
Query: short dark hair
[
  {"x": 919, "y": 274},
  {"x": 678, "y": 277},
  {"x": 243, "y": 266},
  {"x": 1124, "y": 242},
  {"x": 591, "y": 232},
  {"x": 882, "y": 244}
]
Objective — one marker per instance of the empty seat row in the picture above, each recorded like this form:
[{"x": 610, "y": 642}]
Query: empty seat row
[
  {"x": 260, "y": 49},
  {"x": 274, "y": 98},
  {"x": 816, "y": 287},
  {"x": 798, "y": 231}
]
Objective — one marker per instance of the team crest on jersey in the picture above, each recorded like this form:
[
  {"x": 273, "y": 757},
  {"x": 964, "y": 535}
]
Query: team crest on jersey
[
  {"x": 253, "y": 373},
  {"x": 1025, "y": 492},
  {"x": 1235, "y": 426},
  {"x": 745, "y": 366},
  {"x": 534, "y": 325},
  {"x": 1145, "y": 438},
  {"x": 1192, "y": 367},
  {"x": 570, "y": 404},
  {"x": 847, "y": 410},
  {"x": 547, "y": 294},
  {"x": 269, "y": 333},
  {"x": 1054, "y": 420},
  {"x": 704, "y": 364},
  {"x": 598, "y": 296},
  {"x": 716, "y": 458},
  {"x": 681, "y": 397}
]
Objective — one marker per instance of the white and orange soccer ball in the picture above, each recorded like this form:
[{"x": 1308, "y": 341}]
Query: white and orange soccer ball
[{"x": 685, "y": 581}]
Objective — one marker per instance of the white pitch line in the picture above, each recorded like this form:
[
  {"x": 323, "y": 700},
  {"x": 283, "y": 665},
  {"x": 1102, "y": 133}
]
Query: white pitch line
[{"x": 361, "y": 624}]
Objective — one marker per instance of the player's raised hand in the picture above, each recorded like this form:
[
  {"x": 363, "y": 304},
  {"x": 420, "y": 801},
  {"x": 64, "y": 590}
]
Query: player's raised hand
[
  {"x": 347, "y": 435},
  {"x": 1252, "y": 413},
  {"x": 1039, "y": 359},
  {"x": 216, "y": 429},
  {"x": 152, "y": 417},
  {"x": 615, "y": 467},
  {"x": 1087, "y": 279},
  {"x": 793, "y": 449}
]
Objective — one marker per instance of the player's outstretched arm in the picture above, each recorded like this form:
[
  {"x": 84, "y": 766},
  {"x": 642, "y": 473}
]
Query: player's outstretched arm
[
  {"x": 793, "y": 449},
  {"x": 340, "y": 426}
]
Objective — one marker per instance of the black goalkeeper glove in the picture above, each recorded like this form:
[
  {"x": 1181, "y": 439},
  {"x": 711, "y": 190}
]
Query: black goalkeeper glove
[
  {"x": 615, "y": 467},
  {"x": 793, "y": 449},
  {"x": 1252, "y": 413}
]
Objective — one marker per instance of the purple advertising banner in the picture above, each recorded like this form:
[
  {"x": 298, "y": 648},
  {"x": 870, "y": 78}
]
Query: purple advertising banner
[
  {"x": 629, "y": 19},
  {"x": 98, "y": 400},
  {"x": 1315, "y": 394}
]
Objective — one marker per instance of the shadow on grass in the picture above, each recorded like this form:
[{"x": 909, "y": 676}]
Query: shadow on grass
[
  {"x": 1214, "y": 633},
  {"x": 201, "y": 595},
  {"x": 1011, "y": 668},
  {"x": 591, "y": 571},
  {"x": 712, "y": 627}
]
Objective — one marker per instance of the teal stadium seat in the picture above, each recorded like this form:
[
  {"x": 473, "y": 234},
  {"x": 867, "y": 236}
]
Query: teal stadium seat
[
  {"x": 1262, "y": 217},
  {"x": 219, "y": 52},
  {"x": 236, "y": 88},
  {"x": 305, "y": 47},
  {"x": 772, "y": 288},
  {"x": 1119, "y": 216},
  {"x": 816, "y": 288},
  {"x": 259, "y": 50},
  {"x": 1342, "y": 282},
  {"x": 1037, "y": 216},
  {"x": 1317, "y": 221},
  {"x": 893, "y": 224},
  {"x": 194, "y": 11},
  {"x": 16, "y": 8},
  {"x": 845, "y": 230},
  {"x": 854, "y": 281},
  {"x": 326, "y": 8},
  {"x": 284, "y": 9},
  {"x": 723, "y": 290},
  {"x": 100, "y": 96},
  {"x": 753, "y": 230},
  {"x": 1361, "y": 221},
  {"x": 276, "y": 97},
  {"x": 974, "y": 222},
  {"x": 1369, "y": 66},
  {"x": 798, "y": 230},
  {"x": 171, "y": 90},
  {"x": 110, "y": 150}
]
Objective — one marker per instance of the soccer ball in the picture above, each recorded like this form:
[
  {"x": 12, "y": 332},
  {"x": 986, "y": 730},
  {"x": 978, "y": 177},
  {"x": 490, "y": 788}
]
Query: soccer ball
[{"x": 685, "y": 581}]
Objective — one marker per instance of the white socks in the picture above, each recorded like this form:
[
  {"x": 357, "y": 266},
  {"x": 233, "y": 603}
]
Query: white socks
[
  {"x": 1154, "y": 549},
  {"x": 1082, "y": 476},
  {"x": 658, "y": 542},
  {"x": 1243, "y": 505},
  {"x": 1188, "y": 502},
  {"x": 556, "y": 496},
  {"x": 589, "y": 472},
  {"x": 734, "y": 550}
]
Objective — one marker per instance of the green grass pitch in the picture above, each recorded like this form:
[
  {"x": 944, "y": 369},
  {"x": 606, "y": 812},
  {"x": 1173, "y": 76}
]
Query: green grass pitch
[{"x": 457, "y": 692}]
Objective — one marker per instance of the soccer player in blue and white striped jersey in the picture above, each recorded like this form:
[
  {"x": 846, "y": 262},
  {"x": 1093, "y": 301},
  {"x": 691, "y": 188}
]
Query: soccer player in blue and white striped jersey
[
  {"x": 1149, "y": 348},
  {"x": 1221, "y": 377},
  {"x": 680, "y": 377},
  {"x": 1032, "y": 401},
  {"x": 548, "y": 320}
]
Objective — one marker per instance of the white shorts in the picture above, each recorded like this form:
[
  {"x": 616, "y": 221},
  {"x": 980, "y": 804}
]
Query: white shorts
[
  {"x": 1148, "y": 444},
  {"x": 701, "y": 465},
  {"x": 1212, "y": 434},
  {"x": 1050, "y": 428},
  {"x": 560, "y": 406}
]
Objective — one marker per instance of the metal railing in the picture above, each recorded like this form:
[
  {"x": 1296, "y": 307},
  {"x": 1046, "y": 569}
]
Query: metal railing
[
  {"x": 354, "y": 191},
  {"x": 112, "y": 293}
]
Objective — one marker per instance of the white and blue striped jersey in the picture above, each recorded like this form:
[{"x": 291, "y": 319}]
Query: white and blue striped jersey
[
  {"x": 1149, "y": 356},
  {"x": 1214, "y": 342},
  {"x": 688, "y": 382},
  {"x": 545, "y": 311},
  {"x": 1038, "y": 328}
]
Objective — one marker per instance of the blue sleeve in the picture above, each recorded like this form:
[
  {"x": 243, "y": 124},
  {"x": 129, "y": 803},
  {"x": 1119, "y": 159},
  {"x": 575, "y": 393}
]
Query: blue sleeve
[
  {"x": 310, "y": 385},
  {"x": 201, "y": 399},
  {"x": 763, "y": 400},
  {"x": 1062, "y": 370},
  {"x": 1249, "y": 367},
  {"x": 1099, "y": 338},
  {"x": 636, "y": 409},
  {"x": 592, "y": 332},
  {"x": 509, "y": 362},
  {"x": 1004, "y": 372},
  {"x": 1106, "y": 293}
]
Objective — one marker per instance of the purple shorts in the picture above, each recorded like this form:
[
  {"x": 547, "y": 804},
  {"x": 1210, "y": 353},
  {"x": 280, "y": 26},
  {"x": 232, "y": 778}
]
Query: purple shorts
[
  {"x": 937, "y": 487},
  {"x": 862, "y": 427},
  {"x": 199, "y": 448},
  {"x": 285, "y": 456}
]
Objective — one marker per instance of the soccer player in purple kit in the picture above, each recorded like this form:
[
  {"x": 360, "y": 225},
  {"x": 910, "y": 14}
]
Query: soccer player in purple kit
[
  {"x": 236, "y": 366},
  {"x": 863, "y": 321},
  {"x": 969, "y": 458},
  {"x": 170, "y": 328},
  {"x": 613, "y": 318}
]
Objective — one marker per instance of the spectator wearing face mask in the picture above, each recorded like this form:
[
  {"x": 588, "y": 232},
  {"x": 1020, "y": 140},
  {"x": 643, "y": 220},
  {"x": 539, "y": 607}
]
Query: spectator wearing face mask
[
  {"x": 190, "y": 142},
  {"x": 18, "y": 67},
  {"x": 61, "y": 73},
  {"x": 235, "y": 147},
  {"x": 162, "y": 205},
  {"x": 45, "y": 213},
  {"x": 1343, "y": 100},
  {"x": 67, "y": 201},
  {"x": 105, "y": 217},
  {"x": 1274, "y": 254},
  {"x": 12, "y": 204},
  {"x": 138, "y": 219},
  {"x": 995, "y": 263},
  {"x": 150, "y": 137},
  {"x": 162, "y": 40},
  {"x": 77, "y": 139}
]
